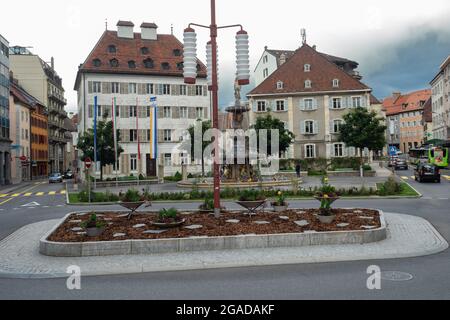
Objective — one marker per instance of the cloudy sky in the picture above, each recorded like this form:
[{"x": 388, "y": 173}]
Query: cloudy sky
[{"x": 399, "y": 44}]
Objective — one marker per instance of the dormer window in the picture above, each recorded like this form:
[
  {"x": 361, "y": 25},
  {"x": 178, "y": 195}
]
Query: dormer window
[
  {"x": 180, "y": 66},
  {"x": 148, "y": 63},
  {"x": 132, "y": 64},
  {"x": 112, "y": 49},
  {"x": 307, "y": 67},
  {"x": 114, "y": 63},
  {"x": 308, "y": 84},
  {"x": 177, "y": 52},
  {"x": 280, "y": 85},
  {"x": 336, "y": 83},
  {"x": 144, "y": 50},
  {"x": 97, "y": 63},
  {"x": 165, "y": 66}
]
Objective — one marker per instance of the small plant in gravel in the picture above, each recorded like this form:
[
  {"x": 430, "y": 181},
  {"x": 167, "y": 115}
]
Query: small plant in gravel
[
  {"x": 281, "y": 200},
  {"x": 207, "y": 205},
  {"x": 93, "y": 222},
  {"x": 327, "y": 195},
  {"x": 168, "y": 216}
]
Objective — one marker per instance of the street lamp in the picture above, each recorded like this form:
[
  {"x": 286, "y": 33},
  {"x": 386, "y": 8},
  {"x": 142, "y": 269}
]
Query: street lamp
[{"x": 190, "y": 75}]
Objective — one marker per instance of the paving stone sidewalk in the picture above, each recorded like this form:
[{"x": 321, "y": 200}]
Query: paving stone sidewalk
[{"x": 408, "y": 236}]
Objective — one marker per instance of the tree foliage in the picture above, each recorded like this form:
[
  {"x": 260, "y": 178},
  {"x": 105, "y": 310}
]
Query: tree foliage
[{"x": 269, "y": 123}]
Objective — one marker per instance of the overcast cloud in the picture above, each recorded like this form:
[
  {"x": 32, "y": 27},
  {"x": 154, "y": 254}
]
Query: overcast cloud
[{"x": 399, "y": 44}]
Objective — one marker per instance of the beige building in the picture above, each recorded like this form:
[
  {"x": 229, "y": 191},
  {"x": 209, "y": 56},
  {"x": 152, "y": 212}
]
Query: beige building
[
  {"x": 440, "y": 104},
  {"x": 310, "y": 93},
  {"x": 42, "y": 81}
]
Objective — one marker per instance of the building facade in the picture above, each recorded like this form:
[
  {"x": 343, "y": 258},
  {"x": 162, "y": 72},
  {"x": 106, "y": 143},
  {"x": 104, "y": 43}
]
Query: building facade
[
  {"x": 20, "y": 109},
  {"x": 39, "y": 142},
  {"x": 130, "y": 68},
  {"x": 5, "y": 140},
  {"x": 41, "y": 80},
  {"x": 404, "y": 113},
  {"x": 440, "y": 87},
  {"x": 311, "y": 94}
]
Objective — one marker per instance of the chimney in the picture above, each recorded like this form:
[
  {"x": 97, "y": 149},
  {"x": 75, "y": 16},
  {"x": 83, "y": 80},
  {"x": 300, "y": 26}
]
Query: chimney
[
  {"x": 149, "y": 31},
  {"x": 282, "y": 59},
  {"x": 52, "y": 63},
  {"x": 314, "y": 47},
  {"x": 125, "y": 29},
  {"x": 396, "y": 95}
]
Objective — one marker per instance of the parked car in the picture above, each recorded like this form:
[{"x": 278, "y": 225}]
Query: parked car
[
  {"x": 55, "y": 178},
  {"x": 68, "y": 175},
  {"x": 427, "y": 172},
  {"x": 392, "y": 161},
  {"x": 401, "y": 164}
]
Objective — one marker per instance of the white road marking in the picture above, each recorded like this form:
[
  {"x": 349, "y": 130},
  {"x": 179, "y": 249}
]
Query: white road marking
[{"x": 31, "y": 204}]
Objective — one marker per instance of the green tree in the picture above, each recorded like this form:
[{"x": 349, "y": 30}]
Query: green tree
[
  {"x": 206, "y": 125},
  {"x": 269, "y": 123},
  {"x": 105, "y": 144},
  {"x": 363, "y": 129}
]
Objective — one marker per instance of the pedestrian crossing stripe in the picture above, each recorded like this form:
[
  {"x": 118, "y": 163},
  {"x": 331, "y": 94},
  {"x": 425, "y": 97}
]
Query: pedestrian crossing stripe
[
  {"x": 39, "y": 194},
  {"x": 405, "y": 178},
  {"x": 15, "y": 195},
  {"x": 3, "y": 195},
  {"x": 447, "y": 177},
  {"x": 52, "y": 193},
  {"x": 30, "y": 194}
]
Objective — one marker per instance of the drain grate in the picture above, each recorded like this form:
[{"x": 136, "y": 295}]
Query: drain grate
[{"x": 396, "y": 276}]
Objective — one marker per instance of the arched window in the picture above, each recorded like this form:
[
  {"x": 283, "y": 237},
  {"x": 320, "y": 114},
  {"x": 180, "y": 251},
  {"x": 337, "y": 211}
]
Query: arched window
[
  {"x": 144, "y": 50},
  {"x": 114, "y": 63},
  {"x": 132, "y": 64},
  {"x": 97, "y": 63},
  {"x": 148, "y": 63},
  {"x": 112, "y": 49},
  {"x": 308, "y": 84},
  {"x": 307, "y": 67}
]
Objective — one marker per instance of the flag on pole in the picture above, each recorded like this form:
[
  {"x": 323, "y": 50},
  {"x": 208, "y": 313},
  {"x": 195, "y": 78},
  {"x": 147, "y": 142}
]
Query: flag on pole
[
  {"x": 114, "y": 106},
  {"x": 137, "y": 129},
  {"x": 153, "y": 128},
  {"x": 95, "y": 130}
]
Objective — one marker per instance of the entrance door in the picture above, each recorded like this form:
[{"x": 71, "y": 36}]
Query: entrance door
[{"x": 151, "y": 167}]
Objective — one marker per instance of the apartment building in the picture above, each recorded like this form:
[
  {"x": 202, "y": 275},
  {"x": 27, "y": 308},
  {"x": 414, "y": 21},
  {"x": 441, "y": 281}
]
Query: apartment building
[
  {"x": 310, "y": 93},
  {"x": 130, "y": 68},
  {"x": 405, "y": 118},
  {"x": 5, "y": 140},
  {"x": 440, "y": 87},
  {"x": 39, "y": 142}
]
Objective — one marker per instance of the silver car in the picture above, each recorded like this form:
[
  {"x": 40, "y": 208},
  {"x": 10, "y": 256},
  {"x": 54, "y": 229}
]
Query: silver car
[{"x": 55, "y": 178}]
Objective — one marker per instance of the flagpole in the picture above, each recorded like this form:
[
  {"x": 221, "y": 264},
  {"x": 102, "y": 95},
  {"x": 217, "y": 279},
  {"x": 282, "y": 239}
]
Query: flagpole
[
  {"x": 138, "y": 141},
  {"x": 114, "y": 106},
  {"x": 95, "y": 141}
]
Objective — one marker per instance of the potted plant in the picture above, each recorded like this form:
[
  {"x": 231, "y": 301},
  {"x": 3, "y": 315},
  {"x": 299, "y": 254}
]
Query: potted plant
[
  {"x": 327, "y": 196},
  {"x": 280, "y": 204},
  {"x": 252, "y": 200},
  {"x": 133, "y": 200},
  {"x": 169, "y": 218},
  {"x": 93, "y": 226}
]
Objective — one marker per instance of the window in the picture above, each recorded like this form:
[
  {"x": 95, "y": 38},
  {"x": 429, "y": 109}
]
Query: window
[
  {"x": 198, "y": 90},
  {"x": 167, "y": 160},
  {"x": 167, "y": 135},
  {"x": 337, "y": 103},
  {"x": 114, "y": 63},
  {"x": 133, "y": 112},
  {"x": 115, "y": 87},
  {"x": 310, "y": 151},
  {"x": 184, "y": 112},
  {"x": 132, "y": 88},
  {"x": 308, "y": 84},
  {"x": 97, "y": 63},
  {"x": 337, "y": 125},
  {"x": 165, "y": 66},
  {"x": 150, "y": 88},
  {"x": 177, "y": 52},
  {"x": 280, "y": 85},
  {"x": 99, "y": 111},
  {"x": 356, "y": 102},
  {"x": 184, "y": 157},
  {"x": 144, "y": 50},
  {"x": 112, "y": 49},
  {"x": 265, "y": 73},
  {"x": 132, "y": 64},
  {"x": 309, "y": 127},
  {"x": 183, "y": 90},
  {"x": 266, "y": 59},
  {"x": 166, "y": 89},
  {"x": 180, "y": 65},
  {"x": 309, "y": 104},
  {"x": 133, "y": 136},
  {"x": 97, "y": 87},
  {"x": 336, "y": 83},
  {"x": 281, "y": 105},
  {"x": 167, "y": 112},
  {"x": 307, "y": 68},
  {"x": 200, "y": 113},
  {"x": 339, "y": 150},
  {"x": 261, "y": 106},
  {"x": 133, "y": 162},
  {"x": 149, "y": 64}
]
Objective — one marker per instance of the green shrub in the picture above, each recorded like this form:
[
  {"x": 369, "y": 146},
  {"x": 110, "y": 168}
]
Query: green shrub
[{"x": 390, "y": 188}]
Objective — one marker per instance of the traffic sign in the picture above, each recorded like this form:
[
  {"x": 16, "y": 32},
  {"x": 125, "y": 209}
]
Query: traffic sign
[
  {"x": 23, "y": 158},
  {"x": 88, "y": 163}
]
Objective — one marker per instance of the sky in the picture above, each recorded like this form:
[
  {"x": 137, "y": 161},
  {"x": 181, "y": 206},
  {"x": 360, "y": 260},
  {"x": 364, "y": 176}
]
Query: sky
[{"x": 398, "y": 44}]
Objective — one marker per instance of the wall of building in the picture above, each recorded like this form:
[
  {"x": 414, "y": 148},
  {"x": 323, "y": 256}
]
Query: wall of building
[
  {"x": 39, "y": 144},
  {"x": 270, "y": 64},
  {"x": 5, "y": 142}
]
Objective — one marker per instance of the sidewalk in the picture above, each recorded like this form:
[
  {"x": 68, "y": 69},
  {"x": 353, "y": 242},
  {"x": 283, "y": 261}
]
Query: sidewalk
[
  {"x": 408, "y": 237},
  {"x": 23, "y": 185}
]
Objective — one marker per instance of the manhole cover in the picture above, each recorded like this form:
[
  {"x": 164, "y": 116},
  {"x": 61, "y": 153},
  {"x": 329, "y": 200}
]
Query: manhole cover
[{"x": 396, "y": 276}]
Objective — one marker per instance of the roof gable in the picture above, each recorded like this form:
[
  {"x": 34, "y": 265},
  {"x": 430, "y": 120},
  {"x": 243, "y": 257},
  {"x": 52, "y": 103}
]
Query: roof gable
[{"x": 413, "y": 101}]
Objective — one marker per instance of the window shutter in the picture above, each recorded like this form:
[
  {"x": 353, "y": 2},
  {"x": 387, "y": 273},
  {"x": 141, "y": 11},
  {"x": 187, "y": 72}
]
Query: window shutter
[
  {"x": 348, "y": 102},
  {"x": 90, "y": 87},
  {"x": 303, "y": 127},
  {"x": 286, "y": 105},
  {"x": 302, "y": 104},
  {"x": 160, "y": 136},
  {"x": 255, "y": 106},
  {"x": 316, "y": 127},
  {"x": 141, "y": 88},
  {"x": 160, "y": 112},
  {"x": 315, "y": 151},
  {"x": 352, "y": 152},
  {"x": 174, "y": 89},
  {"x": 345, "y": 151},
  {"x": 332, "y": 126},
  {"x": 330, "y": 102},
  {"x": 205, "y": 91},
  {"x": 315, "y": 106},
  {"x": 192, "y": 113},
  {"x": 176, "y": 112},
  {"x": 364, "y": 102},
  {"x": 191, "y": 91}
]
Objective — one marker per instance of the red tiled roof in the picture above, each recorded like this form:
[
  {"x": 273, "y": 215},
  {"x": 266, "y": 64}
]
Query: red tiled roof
[
  {"x": 159, "y": 51},
  {"x": 23, "y": 96},
  {"x": 322, "y": 74},
  {"x": 406, "y": 103},
  {"x": 374, "y": 100}
]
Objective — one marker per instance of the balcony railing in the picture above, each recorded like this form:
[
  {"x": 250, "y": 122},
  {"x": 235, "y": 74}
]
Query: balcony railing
[{"x": 58, "y": 98}]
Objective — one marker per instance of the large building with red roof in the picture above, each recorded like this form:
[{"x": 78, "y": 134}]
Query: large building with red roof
[
  {"x": 311, "y": 92},
  {"x": 131, "y": 68},
  {"x": 404, "y": 114}
]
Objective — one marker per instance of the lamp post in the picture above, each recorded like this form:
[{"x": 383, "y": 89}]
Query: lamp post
[{"x": 190, "y": 73}]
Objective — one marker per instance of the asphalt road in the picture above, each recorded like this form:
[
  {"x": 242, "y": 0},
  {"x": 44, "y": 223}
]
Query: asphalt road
[{"x": 345, "y": 280}]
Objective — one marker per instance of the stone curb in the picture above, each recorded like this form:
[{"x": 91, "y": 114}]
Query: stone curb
[{"x": 161, "y": 246}]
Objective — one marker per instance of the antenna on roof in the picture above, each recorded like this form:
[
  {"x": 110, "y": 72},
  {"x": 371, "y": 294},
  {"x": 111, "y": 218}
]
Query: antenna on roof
[
  {"x": 171, "y": 28},
  {"x": 303, "y": 32},
  {"x": 106, "y": 24}
]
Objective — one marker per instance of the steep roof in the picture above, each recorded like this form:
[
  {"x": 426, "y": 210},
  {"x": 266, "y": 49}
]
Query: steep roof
[
  {"x": 21, "y": 95},
  {"x": 159, "y": 51},
  {"x": 413, "y": 101},
  {"x": 323, "y": 72},
  {"x": 374, "y": 100}
]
